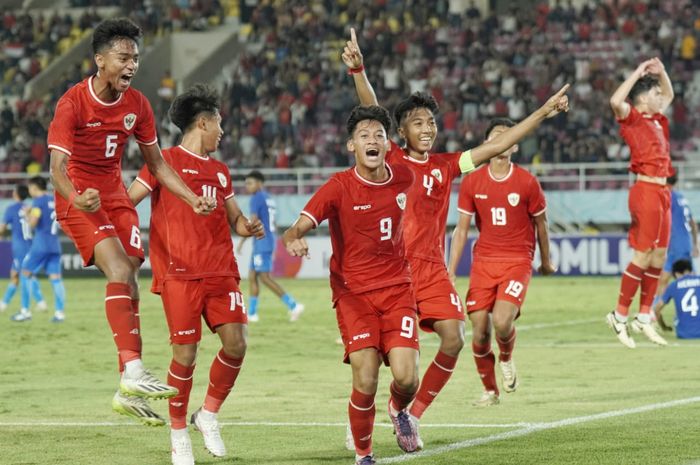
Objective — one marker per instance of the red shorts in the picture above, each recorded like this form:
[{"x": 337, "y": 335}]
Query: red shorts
[
  {"x": 650, "y": 209},
  {"x": 115, "y": 218},
  {"x": 384, "y": 318},
  {"x": 218, "y": 300},
  {"x": 492, "y": 281},
  {"x": 436, "y": 297}
]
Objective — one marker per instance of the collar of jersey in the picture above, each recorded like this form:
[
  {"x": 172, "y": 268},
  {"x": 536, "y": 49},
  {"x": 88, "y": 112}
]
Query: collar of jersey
[
  {"x": 366, "y": 181},
  {"x": 505, "y": 178},
  {"x": 189, "y": 152},
  {"x": 94, "y": 95},
  {"x": 420, "y": 162}
]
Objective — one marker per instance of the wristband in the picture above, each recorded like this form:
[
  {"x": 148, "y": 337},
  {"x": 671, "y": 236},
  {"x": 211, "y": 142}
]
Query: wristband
[
  {"x": 466, "y": 164},
  {"x": 352, "y": 71}
]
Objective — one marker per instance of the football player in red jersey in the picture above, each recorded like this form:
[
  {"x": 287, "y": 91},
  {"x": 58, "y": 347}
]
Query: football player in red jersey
[
  {"x": 194, "y": 268},
  {"x": 509, "y": 205},
  {"x": 645, "y": 129},
  {"x": 369, "y": 275},
  {"x": 91, "y": 125},
  {"x": 439, "y": 305}
]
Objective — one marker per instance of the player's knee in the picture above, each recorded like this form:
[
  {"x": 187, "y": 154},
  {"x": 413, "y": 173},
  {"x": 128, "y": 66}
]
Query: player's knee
[
  {"x": 481, "y": 338},
  {"x": 407, "y": 382},
  {"x": 503, "y": 326},
  {"x": 185, "y": 354},
  {"x": 235, "y": 348},
  {"x": 366, "y": 383},
  {"x": 452, "y": 344},
  {"x": 119, "y": 272}
]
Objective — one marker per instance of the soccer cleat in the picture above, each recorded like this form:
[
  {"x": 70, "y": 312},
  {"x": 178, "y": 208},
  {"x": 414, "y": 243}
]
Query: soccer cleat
[
  {"x": 146, "y": 386},
  {"x": 487, "y": 399},
  {"x": 648, "y": 330},
  {"x": 208, "y": 425},
  {"x": 416, "y": 424},
  {"x": 137, "y": 408},
  {"x": 405, "y": 430},
  {"x": 366, "y": 460},
  {"x": 22, "y": 315},
  {"x": 510, "y": 377},
  {"x": 620, "y": 330},
  {"x": 349, "y": 440},
  {"x": 181, "y": 448},
  {"x": 253, "y": 318},
  {"x": 3, "y": 306},
  {"x": 41, "y": 306},
  {"x": 296, "y": 312},
  {"x": 58, "y": 317}
]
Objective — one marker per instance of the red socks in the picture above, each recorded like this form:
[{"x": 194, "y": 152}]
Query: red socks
[
  {"x": 631, "y": 279},
  {"x": 135, "y": 311},
  {"x": 122, "y": 321},
  {"x": 485, "y": 361},
  {"x": 361, "y": 411},
  {"x": 180, "y": 376},
  {"x": 650, "y": 282},
  {"x": 505, "y": 348},
  {"x": 434, "y": 379},
  {"x": 222, "y": 375}
]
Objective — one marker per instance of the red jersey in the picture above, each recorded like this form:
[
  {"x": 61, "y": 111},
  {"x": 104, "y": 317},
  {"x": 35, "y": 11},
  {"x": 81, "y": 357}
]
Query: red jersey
[
  {"x": 504, "y": 210},
  {"x": 365, "y": 220},
  {"x": 648, "y": 138},
  {"x": 93, "y": 133},
  {"x": 428, "y": 201},
  {"x": 184, "y": 245}
]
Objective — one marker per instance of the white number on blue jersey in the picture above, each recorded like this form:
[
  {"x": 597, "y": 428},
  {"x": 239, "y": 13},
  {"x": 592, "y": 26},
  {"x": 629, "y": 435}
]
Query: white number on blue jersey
[
  {"x": 26, "y": 228},
  {"x": 689, "y": 303}
]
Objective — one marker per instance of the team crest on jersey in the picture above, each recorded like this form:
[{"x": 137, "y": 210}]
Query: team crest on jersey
[
  {"x": 129, "y": 121},
  {"x": 437, "y": 174},
  {"x": 514, "y": 199},
  {"x": 401, "y": 200},
  {"x": 222, "y": 179}
]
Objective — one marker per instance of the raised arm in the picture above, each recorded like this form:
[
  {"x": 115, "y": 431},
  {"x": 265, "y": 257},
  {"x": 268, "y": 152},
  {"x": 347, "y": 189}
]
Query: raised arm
[
  {"x": 167, "y": 177},
  {"x": 88, "y": 201},
  {"x": 293, "y": 238},
  {"x": 556, "y": 104},
  {"x": 546, "y": 268},
  {"x": 657, "y": 67},
  {"x": 459, "y": 240},
  {"x": 618, "y": 101},
  {"x": 243, "y": 226},
  {"x": 352, "y": 57}
]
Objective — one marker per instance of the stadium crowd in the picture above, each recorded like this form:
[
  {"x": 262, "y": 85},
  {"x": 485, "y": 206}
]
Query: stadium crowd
[{"x": 285, "y": 99}]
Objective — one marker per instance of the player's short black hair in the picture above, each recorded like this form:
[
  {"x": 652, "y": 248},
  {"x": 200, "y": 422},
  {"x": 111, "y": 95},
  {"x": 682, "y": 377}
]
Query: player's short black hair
[
  {"x": 371, "y": 112},
  {"x": 507, "y": 122},
  {"x": 642, "y": 86},
  {"x": 22, "y": 191},
  {"x": 672, "y": 180},
  {"x": 682, "y": 266},
  {"x": 38, "y": 181},
  {"x": 113, "y": 29},
  {"x": 415, "y": 100},
  {"x": 255, "y": 174},
  {"x": 186, "y": 108}
]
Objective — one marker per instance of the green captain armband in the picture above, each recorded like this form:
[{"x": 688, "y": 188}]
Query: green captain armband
[{"x": 466, "y": 164}]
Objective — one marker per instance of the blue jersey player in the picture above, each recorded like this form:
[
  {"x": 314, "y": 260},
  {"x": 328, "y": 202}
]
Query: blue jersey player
[
  {"x": 15, "y": 220},
  {"x": 45, "y": 251},
  {"x": 684, "y": 292},
  {"x": 684, "y": 235},
  {"x": 262, "y": 207}
]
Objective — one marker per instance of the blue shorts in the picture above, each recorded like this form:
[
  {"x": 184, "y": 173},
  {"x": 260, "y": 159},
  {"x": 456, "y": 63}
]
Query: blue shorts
[
  {"x": 18, "y": 254},
  {"x": 261, "y": 262},
  {"x": 37, "y": 261},
  {"x": 673, "y": 257}
]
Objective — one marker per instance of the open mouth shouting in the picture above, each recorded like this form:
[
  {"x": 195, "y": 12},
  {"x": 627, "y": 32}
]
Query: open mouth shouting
[
  {"x": 372, "y": 154},
  {"x": 125, "y": 79}
]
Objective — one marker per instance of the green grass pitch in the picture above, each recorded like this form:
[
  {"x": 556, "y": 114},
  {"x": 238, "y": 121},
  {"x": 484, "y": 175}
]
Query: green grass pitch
[{"x": 583, "y": 397}]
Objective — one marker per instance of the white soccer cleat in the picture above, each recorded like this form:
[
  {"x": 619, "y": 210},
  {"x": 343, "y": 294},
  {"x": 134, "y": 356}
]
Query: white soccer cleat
[
  {"x": 207, "y": 424},
  {"x": 22, "y": 315},
  {"x": 648, "y": 330},
  {"x": 349, "y": 440},
  {"x": 181, "y": 448},
  {"x": 253, "y": 318},
  {"x": 3, "y": 306},
  {"x": 137, "y": 408},
  {"x": 296, "y": 313},
  {"x": 41, "y": 306},
  {"x": 510, "y": 376},
  {"x": 487, "y": 399},
  {"x": 147, "y": 386},
  {"x": 620, "y": 330}
]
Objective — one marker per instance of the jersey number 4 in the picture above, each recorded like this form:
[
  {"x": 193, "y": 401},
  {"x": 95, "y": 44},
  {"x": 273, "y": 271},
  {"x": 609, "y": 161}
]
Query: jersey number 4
[{"x": 689, "y": 303}]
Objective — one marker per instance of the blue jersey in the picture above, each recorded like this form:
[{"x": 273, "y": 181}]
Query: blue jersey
[
  {"x": 685, "y": 292},
  {"x": 46, "y": 230},
  {"x": 16, "y": 219},
  {"x": 681, "y": 243},
  {"x": 263, "y": 206}
]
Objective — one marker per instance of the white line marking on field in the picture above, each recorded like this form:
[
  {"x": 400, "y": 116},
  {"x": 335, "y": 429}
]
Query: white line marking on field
[
  {"x": 536, "y": 427},
  {"x": 9, "y": 424}
]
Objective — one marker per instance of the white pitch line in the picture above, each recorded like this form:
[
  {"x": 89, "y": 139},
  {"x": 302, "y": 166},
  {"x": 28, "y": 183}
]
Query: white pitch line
[
  {"x": 536, "y": 427},
  {"x": 9, "y": 424}
]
